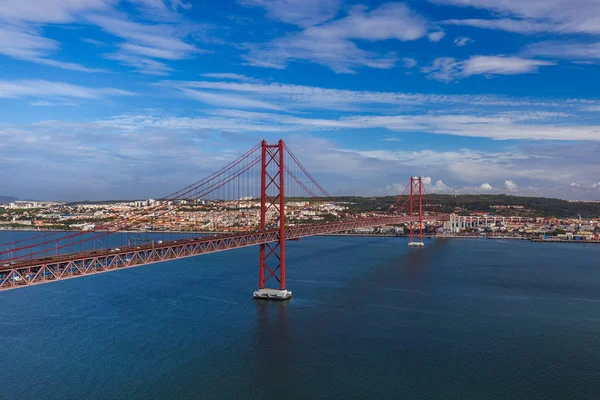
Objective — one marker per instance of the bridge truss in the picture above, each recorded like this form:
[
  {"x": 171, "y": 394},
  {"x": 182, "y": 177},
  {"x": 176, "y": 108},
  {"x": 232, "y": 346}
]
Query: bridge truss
[
  {"x": 74, "y": 265},
  {"x": 277, "y": 172}
]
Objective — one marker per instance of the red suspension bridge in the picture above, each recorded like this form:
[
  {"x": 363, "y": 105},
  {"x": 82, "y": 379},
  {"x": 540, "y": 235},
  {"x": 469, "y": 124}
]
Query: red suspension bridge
[{"x": 271, "y": 173}]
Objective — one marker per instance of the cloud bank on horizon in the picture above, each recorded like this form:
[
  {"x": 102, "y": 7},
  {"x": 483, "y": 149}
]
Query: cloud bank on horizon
[{"x": 135, "y": 98}]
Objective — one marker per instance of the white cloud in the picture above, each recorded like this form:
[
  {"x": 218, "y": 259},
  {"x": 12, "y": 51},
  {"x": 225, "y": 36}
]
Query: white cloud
[
  {"x": 26, "y": 43},
  {"x": 298, "y": 96},
  {"x": 429, "y": 187},
  {"x": 164, "y": 53},
  {"x": 152, "y": 40},
  {"x": 448, "y": 69},
  {"x": 510, "y": 186},
  {"x": 298, "y": 12},
  {"x": 65, "y": 65},
  {"x": 49, "y": 11},
  {"x": 500, "y": 127},
  {"x": 94, "y": 42},
  {"x": 470, "y": 116},
  {"x": 229, "y": 100},
  {"x": 481, "y": 65},
  {"x": 462, "y": 41},
  {"x": 147, "y": 42},
  {"x": 333, "y": 43},
  {"x": 230, "y": 76},
  {"x": 22, "y": 24},
  {"x": 532, "y": 16},
  {"x": 575, "y": 184},
  {"x": 567, "y": 50},
  {"x": 48, "y": 89},
  {"x": 409, "y": 62},
  {"x": 192, "y": 146},
  {"x": 505, "y": 24},
  {"x": 162, "y": 8},
  {"x": 439, "y": 186},
  {"x": 444, "y": 69},
  {"x": 45, "y": 103},
  {"x": 485, "y": 186},
  {"x": 142, "y": 65},
  {"x": 436, "y": 36}
]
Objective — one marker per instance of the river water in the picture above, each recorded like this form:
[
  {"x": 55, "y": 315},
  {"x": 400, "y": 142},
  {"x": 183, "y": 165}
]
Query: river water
[{"x": 370, "y": 319}]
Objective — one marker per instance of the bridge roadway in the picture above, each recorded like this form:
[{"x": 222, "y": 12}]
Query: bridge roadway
[{"x": 72, "y": 265}]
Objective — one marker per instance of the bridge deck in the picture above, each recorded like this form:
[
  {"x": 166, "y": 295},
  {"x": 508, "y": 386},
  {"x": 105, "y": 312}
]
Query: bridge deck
[{"x": 50, "y": 269}]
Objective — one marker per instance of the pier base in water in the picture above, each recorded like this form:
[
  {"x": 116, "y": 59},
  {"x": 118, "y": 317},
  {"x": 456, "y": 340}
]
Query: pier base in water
[
  {"x": 416, "y": 244},
  {"x": 272, "y": 294}
]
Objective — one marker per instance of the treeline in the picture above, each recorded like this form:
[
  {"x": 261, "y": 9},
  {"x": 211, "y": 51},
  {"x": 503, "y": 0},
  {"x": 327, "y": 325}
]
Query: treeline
[
  {"x": 466, "y": 204},
  {"x": 7, "y": 199}
]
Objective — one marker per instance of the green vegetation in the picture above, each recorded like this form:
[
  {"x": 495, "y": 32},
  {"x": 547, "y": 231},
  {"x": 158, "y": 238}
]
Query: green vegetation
[
  {"x": 11, "y": 211},
  {"x": 532, "y": 206},
  {"x": 467, "y": 204}
]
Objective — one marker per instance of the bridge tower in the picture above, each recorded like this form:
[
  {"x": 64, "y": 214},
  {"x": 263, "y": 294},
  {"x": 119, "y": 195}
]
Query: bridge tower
[
  {"x": 272, "y": 202},
  {"x": 416, "y": 196}
]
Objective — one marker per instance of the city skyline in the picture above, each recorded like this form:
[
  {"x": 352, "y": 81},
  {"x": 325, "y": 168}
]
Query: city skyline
[{"x": 110, "y": 99}]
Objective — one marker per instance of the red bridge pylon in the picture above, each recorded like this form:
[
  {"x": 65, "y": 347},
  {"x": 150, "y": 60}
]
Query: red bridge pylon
[
  {"x": 416, "y": 190},
  {"x": 272, "y": 202}
]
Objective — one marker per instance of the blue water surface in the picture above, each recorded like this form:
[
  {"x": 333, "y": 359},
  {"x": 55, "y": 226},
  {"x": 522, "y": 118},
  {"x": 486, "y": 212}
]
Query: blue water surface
[{"x": 370, "y": 319}]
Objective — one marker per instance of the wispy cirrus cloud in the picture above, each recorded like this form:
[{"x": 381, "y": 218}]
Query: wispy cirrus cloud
[
  {"x": 180, "y": 142},
  {"x": 163, "y": 36},
  {"x": 333, "y": 43},
  {"x": 45, "y": 103},
  {"x": 230, "y": 100},
  {"x": 483, "y": 116},
  {"x": 50, "y": 11},
  {"x": 298, "y": 12},
  {"x": 146, "y": 43},
  {"x": 462, "y": 41},
  {"x": 307, "y": 97},
  {"x": 230, "y": 76},
  {"x": 448, "y": 69},
  {"x": 529, "y": 170},
  {"x": 565, "y": 50},
  {"x": 37, "y": 88},
  {"x": 506, "y": 24},
  {"x": 495, "y": 127},
  {"x": 21, "y": 35},
  {"x": 572, "y": 18},
  {"x": 25, "y": 42},
  {"x": 534, "y": 16}
]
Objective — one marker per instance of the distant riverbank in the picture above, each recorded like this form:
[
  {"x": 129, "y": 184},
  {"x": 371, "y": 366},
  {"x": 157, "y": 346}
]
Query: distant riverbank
[{"x": 208, "y": 233}]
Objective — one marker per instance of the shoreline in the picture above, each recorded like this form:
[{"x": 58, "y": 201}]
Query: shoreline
[
  {"x": 382, "y": 235},
  {"x": 72, "y": 231}
]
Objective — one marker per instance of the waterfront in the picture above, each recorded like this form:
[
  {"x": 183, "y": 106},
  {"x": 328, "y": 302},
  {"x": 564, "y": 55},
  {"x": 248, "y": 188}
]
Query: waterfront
[{"x": 461, "y": 319}]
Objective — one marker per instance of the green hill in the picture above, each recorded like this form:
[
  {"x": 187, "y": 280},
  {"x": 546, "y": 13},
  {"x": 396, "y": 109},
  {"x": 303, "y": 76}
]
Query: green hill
[
  {"x": 7, "y": 199},
  {"x": 466, "y": 204}
]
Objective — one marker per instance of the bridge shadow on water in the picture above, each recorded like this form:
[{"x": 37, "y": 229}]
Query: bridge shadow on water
[
  {"x": 273, "y": 348},
  {"x": 342, "y": 341},
  {"x": 409, "y": 323}
]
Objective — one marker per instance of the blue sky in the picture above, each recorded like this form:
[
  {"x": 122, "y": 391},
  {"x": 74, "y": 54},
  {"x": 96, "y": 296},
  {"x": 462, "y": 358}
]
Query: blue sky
[{"x": 130, "y": 99}]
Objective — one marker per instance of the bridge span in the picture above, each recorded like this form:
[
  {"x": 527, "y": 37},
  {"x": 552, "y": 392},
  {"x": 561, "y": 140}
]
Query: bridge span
[
  {"x": 67, "y": 266},
  {"x": 268, "y": 172}
]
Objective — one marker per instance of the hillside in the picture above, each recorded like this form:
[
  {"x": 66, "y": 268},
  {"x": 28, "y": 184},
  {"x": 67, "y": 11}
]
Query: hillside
[
  {"x": 466, "y": 204},
  {"x": 7, "y": 199},
  {"x": 460, "y": 204}
]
